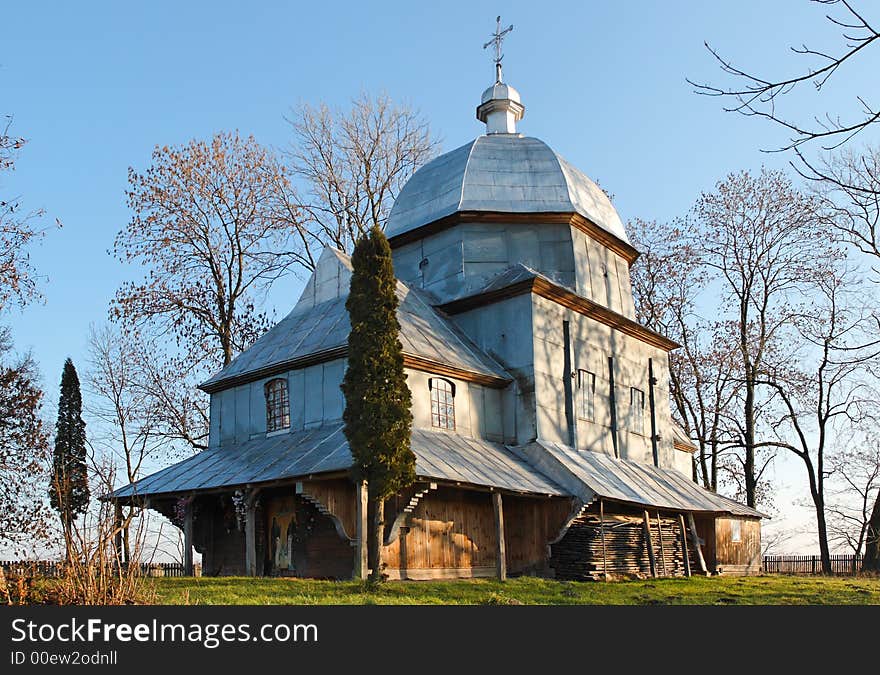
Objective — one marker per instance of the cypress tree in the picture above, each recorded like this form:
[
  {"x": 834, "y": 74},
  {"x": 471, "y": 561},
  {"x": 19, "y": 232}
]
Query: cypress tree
[
  {"x": 377, "y": 415},
  {"x": 69, "y": 490}
]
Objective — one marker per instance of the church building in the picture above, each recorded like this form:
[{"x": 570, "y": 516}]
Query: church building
[{"x": 542, "y": 430}]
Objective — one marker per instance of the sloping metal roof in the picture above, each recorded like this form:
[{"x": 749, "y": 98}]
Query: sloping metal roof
[
  {"x": 626, "y": 481},
  {"x": 439, "y": 456},
  {"x": 505, "y": 173},
  {"x": 312, "y": 330}
]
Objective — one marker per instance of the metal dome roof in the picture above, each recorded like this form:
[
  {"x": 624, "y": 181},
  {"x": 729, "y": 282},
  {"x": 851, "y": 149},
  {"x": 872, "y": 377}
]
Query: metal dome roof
[{"x": 505, "y": 173}]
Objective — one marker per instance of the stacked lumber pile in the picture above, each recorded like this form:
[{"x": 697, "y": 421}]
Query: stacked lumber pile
[{"x": 578, "y": 556}]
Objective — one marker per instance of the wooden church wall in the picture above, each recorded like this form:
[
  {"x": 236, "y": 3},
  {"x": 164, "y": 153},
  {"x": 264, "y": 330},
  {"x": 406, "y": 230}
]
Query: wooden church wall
[
  {"x": 530, "y": 524},
  {"x": 451, "y": 533},
  {"x": 737, "y": 554}
]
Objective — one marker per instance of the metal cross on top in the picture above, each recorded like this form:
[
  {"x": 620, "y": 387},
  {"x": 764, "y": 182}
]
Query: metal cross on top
[{"x": 497, "y": 39}]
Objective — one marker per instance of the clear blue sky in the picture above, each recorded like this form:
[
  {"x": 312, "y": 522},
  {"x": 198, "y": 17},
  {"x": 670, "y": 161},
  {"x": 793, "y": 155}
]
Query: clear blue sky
[{"x": 94, "y": 86}]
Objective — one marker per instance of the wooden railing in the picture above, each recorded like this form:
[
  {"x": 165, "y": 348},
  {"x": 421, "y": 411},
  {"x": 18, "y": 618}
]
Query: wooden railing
[{"x": 810, "y": 564}]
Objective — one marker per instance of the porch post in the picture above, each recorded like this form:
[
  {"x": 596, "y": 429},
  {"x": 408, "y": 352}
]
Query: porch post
[
  {"x": 701, "y": 561},
  {"x": 250, "y": 533},
  {"x": 360, "y": 556},
  {"x": 500, "y": 552},
  {"x": 649, "y": 543},
  {"x": 117, "y": 526},
  {"x": 188, "y": 538},
  {"x": 684, "y": 546}
]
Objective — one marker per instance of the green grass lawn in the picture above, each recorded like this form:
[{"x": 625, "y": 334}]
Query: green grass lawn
[{"x": 763, "y": 590}]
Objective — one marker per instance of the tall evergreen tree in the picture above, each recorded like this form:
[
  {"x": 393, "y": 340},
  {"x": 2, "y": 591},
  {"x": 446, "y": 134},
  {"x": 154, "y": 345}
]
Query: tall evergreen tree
[
  {"x": 377, "y": 415},
  {"x": 69, "y": 490}
]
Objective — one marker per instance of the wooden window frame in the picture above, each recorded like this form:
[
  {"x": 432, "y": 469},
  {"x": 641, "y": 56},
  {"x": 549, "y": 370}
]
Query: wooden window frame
[
  {"x": 735, "y": 531},
  {"x": 277, "y": 405},
  {"x": 442, "y": 393}
]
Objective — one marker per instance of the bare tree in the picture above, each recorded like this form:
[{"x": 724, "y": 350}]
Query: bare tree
[
  {"x": 849, "y": 189},
  {"x": 353, "y": 164},
  {"x": 18, "y": 232},
  {"x": 667, "y": 279},
  {"x": 24, "y": 452},
  {"x": 127, "y": 411},
  {"x": 854, "y": 480},
  {"x": 760, "y": 95},
  {"x": 758, "y": 235},
  {"x": 207, "y": 226},
  {"x": 831, "y": 392}
]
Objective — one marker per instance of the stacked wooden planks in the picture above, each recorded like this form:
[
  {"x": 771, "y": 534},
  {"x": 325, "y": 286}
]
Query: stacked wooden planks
[{"x": 578, "y": 556}]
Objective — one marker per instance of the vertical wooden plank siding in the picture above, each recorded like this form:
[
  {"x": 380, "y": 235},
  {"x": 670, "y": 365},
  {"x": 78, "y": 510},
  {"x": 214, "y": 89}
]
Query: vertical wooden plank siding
[
  {"x": 737, "y": 557},
  {"x": 500, "y": 554}
]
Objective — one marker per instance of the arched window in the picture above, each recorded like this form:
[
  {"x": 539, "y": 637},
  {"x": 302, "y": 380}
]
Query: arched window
[
  {"x": 442, "y": 403},
  {"x": 277, "y": 405}
]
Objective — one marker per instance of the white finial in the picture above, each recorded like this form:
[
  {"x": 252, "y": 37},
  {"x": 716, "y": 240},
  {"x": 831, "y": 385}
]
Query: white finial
[
  {"x": 500, "y": 107},
  {"x": 497, "y": 39}
]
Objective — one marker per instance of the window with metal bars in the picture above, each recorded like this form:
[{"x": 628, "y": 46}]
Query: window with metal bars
[
  {"x": 586, "y": 395},
  {"x": 442, "y": 403},
  {"x": 636, "y": 410},
  {"x": 277, "y": 405}
]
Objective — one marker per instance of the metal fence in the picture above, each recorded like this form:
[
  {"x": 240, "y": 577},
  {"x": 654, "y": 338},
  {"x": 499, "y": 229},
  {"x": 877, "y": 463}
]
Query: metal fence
[
  {"x": 52, "y": 568},
  {"x": 810, "y": 564}
]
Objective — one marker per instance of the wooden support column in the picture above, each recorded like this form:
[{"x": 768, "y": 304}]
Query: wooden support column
[
  {"x": 649, "y": 542},
  {"x": 701, "y": 561},
  {"x": 250, "y": 534},
  {"x": 500, "y": 552},
  {"x": 662, "y": 552},
  {"x": 360, "y": 555},
  {"x": 684, "y": 546},
  {"x": 117, "y": 535},
  {"x": 602, "y": 530},
  {"x": 188, "y": 538}
]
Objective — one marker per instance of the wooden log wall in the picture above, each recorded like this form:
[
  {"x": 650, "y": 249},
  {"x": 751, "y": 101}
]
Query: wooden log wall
[{"x": 578, "y": 556}]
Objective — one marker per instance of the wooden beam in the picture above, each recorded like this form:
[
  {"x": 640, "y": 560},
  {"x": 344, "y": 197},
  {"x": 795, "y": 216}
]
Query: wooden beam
[
  {"x": 662, "y": 552},
  {"x": 188, "y": 538},
  {"x": 360, "y": 542},
  {"x": 701, "y": 561},
  {"x": 500, "y": 552},
  {"x": 602, "y": 530},
  {"x": 684, "y": 546},
  {"x": 250, "y": 533},
  {"x": 117, "y": 536},
  {"x": 649, "y": 542}
]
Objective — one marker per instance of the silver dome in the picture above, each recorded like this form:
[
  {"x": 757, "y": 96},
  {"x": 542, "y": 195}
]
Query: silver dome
[{"x": 505, "y": 173}]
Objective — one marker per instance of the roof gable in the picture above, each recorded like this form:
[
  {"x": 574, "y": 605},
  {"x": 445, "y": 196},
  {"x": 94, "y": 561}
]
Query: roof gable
[{"x": 318, "y": 327}]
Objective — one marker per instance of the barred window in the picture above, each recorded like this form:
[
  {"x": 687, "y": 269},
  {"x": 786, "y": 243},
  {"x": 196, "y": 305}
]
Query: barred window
[
  {"x": 442, "y": 403},
  {"x": 636, "y": 410},
  {"x": 586, "y": 395},
  {"x": 277, "y": 405}
]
